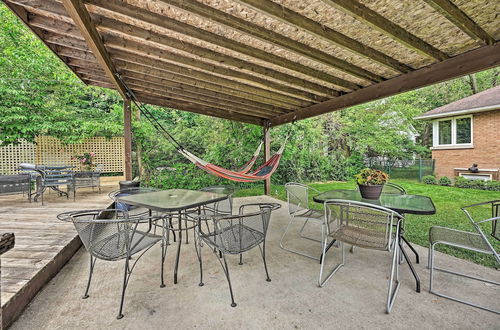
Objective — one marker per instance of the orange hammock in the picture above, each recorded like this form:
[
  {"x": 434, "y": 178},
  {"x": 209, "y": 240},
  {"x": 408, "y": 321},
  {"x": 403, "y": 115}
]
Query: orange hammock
[{"x": 261, "y": 173}]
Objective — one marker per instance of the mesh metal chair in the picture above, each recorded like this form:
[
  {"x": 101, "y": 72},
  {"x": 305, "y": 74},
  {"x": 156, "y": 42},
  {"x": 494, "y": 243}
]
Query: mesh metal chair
[
  {"x": 235, "y": 234},
  {"x": 392, "y": 188},
  {"x": 224, "y": 207},
  {"x": 132, "y": 210},
  {"x": 363, "y": 225},
  {"x": 474, "y": 241},
  {"x": 112, "y": 235},
  {"x": 298, "y": 209}
]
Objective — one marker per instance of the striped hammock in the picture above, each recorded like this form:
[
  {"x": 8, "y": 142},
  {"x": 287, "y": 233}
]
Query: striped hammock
[{"x": 243, "y": 175}]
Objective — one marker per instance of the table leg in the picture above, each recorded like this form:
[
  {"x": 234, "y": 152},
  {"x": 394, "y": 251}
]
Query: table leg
[
  {"x": 412, "y": 269},
  {"x": 178, "y": 248},
  {"x": 417, "y": 257},
  {"x": 327, "y": 248}
]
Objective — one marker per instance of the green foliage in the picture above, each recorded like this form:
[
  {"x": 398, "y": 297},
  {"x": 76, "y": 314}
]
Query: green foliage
[
  {"x": 444, "y": 181},
  {"x": 429, "y": 179},
  {"x": 370, "y": 176},
  {"x": 462, "y": 182}
]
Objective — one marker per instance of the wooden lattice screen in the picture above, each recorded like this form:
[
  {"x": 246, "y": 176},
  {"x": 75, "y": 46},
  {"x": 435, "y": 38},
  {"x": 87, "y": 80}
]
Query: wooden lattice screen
[
  {"x": 13, "y": 154},
  {"x": 50, "y": 151}
]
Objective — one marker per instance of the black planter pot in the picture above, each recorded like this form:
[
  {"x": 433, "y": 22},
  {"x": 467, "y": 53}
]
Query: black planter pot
[{"x": 370, "y": 191}]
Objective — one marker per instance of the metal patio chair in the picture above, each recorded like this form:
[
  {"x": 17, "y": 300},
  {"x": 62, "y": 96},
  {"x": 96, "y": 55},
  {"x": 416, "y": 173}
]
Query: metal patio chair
[
  {"x": 366, "y": 226},
  {"x": 132, "y": 210},
  {"x": 298, "y": 209},
  {"x": 16, "y": 184},
  {"x": 51, "y": 177},
  {"x": 473, "y": 241},
  {"x": 235, "y": 234},
  {"x": 224, "y": 207},
  {"x": 393, "y": 188},
  {"x": 112, "y": 235}
]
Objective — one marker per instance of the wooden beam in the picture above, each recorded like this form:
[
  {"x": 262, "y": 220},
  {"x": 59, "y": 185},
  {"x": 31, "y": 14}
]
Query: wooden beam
[
  {"x": 165, "y": 22},
  {"x": 203, "y": 110},
  {"x": 455, "y": 15},
  {"x": 158, "y": 92},
  {"x": 126, "y": 31},
  {"x": 195, "y": 68},
  {"x": 221, "y": 86},
  {"x": 127, "y": 133},
  {"x": 66, "y": 41},
  {"x": 50, "y": 9},
  {"x": 76, "y": 53},
  {"x": 267, "y": 154},
  {"x": 364, "y": 14},
  {"x": 472, "y": 61},
  {"x": 76, "y": 9},
  {"x": 161, "y": 92},
  {"x": 55, "y": 26},
  {"x": 292, "y": 18},
  {"x": 172, "y": 80},
  {"x": 275, "y": 38},
  {"x": 202, "y": 94}
]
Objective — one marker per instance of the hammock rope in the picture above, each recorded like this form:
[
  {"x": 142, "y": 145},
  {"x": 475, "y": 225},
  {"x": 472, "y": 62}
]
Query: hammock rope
[{"x": 244, "y": 174}]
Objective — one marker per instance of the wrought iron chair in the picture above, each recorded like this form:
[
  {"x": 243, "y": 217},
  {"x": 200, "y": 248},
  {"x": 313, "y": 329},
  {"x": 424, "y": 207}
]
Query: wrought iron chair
[
  {"x": 51, "y": 177},
  {"x": 89, "y": 178},
  {"x": 363, "y": 225},
  {"x": 132, "y": 210},
  {"x": 224, "y": 207},
  {"x": 235, "y": 234},
  {"x": 298, "y": 209},
  {"x": 393, "y": 188},
  {"x": 112, "y": 235},
  {"x": 474, "y": 241}
]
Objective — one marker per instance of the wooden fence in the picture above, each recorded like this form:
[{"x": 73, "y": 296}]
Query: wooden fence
[{"x": 50, "y": 151}]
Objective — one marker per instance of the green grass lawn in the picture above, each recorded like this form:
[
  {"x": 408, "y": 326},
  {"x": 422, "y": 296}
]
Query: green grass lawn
[{"x": 447, "y": 200}]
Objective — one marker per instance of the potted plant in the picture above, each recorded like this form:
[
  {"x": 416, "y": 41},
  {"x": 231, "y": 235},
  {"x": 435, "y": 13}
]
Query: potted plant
[
  {"x": 86, "y": 160},
  {"x": 371, "y": 182}
]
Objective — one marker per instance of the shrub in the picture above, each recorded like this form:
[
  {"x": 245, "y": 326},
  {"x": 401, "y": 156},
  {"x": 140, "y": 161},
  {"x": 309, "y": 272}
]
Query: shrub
[
  {"x": 462, "y": 182},
  {"x": 444, "y": 181},
  {"x": 429, "y": 179}
]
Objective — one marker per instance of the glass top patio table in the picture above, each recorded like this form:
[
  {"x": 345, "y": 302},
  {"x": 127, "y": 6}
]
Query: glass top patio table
[
  {"x": 172, "y": 200},
  {"x": 405, "y": 204}
]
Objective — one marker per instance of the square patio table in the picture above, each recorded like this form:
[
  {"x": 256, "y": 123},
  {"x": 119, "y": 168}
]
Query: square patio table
[
  {"x": 403, "y": 204},
  {"x": 171, "y": 201}
]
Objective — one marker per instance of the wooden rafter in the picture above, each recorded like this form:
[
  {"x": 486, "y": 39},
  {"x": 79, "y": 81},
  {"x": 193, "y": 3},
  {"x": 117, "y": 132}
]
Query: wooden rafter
[
  {"x": 472, "y": 61},
  {"x": 215, "y": 39},
  {"x": 290, "y": 17},
  {"x": 455, "y": 15},
  {"x": 126, "y": 31},
  {"x": 257, "y": 31},
  {"x": 76, "y": 9},
  {"x": 382, "y": 24}
]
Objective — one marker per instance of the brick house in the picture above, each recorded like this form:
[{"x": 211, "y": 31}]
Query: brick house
[{"x": 467, "y": 131}]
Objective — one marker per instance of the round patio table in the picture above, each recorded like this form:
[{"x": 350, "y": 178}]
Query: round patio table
[{"x": 403, "y": 204}]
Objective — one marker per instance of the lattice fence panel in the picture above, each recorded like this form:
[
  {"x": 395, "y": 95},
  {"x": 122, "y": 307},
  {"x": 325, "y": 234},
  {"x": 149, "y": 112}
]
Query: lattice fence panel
[
  {"x": 109, "y": 152},
  {"x": 14, "y": 154}
]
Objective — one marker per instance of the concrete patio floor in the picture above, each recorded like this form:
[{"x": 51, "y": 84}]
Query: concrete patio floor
[{"x": 355, "y": 298}]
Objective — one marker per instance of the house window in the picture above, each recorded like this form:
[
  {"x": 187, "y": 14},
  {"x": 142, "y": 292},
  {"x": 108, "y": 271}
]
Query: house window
[{"x": 453, "y": 132}]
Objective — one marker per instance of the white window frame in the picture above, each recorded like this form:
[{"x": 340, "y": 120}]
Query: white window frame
[{"x": 454, "y": 144}]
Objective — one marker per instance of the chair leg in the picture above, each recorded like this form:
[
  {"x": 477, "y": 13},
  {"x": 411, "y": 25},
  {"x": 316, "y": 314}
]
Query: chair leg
[
  {"x": 431, "y": 290},
  {"x": 391, "y": 294},
  {"x": 125, "y": 282},
  {"x": 163, "y": 253},
  {"x": 291, "y": 250},
  {"x": 263, "y": 253},
  {"x": 241, "y": 259},
  {"x": 226, "y": 271},
  {"x": 91, "y": 271},
  {"x": 321, "y": 281},
  {"x": 198, "y": 246}
]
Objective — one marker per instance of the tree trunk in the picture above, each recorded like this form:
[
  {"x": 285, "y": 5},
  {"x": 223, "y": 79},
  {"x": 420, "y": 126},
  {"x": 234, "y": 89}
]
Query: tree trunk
[{"x": 473, "y": 83}]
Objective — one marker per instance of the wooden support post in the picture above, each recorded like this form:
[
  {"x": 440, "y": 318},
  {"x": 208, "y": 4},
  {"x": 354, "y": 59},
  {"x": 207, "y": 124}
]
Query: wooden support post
[
  {"x": 127, "y": 133},
  {"x": 267, "y": 155}
]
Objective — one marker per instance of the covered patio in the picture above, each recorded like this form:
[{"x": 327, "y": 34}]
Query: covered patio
[{"x": 354, "y": 299}]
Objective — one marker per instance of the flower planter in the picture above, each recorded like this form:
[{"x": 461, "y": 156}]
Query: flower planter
[{"x": 370, "y": 191}]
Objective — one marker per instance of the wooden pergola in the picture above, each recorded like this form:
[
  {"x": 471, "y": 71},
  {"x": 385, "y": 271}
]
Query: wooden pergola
[{"x": 260, "y": 61}]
